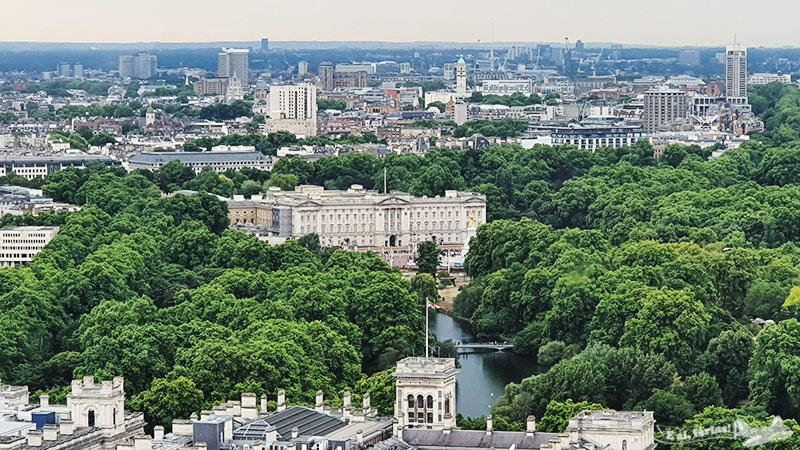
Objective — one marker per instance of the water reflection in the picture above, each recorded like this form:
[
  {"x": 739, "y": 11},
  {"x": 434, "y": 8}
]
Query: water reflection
[{"x": 483, "y": 376}]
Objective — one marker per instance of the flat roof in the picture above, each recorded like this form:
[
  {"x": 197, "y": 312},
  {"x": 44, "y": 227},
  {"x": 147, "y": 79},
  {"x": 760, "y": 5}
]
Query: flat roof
[{"x": 210, "y": 157}]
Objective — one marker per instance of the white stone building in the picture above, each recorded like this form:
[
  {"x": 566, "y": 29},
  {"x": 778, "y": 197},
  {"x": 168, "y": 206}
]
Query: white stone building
[
  {"x": 18, "y": 245},
  {"x": 426, "y": 393}
]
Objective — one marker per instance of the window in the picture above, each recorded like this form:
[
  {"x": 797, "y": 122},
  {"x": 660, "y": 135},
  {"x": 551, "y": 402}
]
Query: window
[
  {"x": 420, "y": 402},
  {"x": 624, "y": 444},
  {"x": 430, "y": 417},
  {"x": 411, "y": 416},
  {"x": 447, "y": 406},
  {"x": 421, "y": 417},
  {"x": 90, "y": 418},
  {"x": 410, "y": 401},
  {"x": 430, "y": 402}
]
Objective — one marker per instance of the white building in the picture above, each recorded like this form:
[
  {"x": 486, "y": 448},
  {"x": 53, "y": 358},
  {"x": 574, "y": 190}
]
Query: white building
[
  {"x": 767, "y": 78},
  {"x": 507, "y": 87},
  {"x": 293, "y": 108},
  {"x": 31, "y": 167},
  {"x": 736, "y": 74},
  {"x": 426, "y": 393},
  {"x": 461, "y": 76},
  {"x": 234, "y": 61},
  {"x": 18, "y": 245},
  {"x": 220, "y": 161},
  {"x": 302, "y": 68},
  {"x": 145, "y": 66}
]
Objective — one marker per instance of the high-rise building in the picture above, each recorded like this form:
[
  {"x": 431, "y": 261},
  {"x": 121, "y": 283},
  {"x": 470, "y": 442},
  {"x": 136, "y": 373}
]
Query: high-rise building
[
  {"x": 461, "y": 76},
  {"x": 302, "y": 68},
  {"x": 664, "y": 106},
  {"x": 326, "y": 75},
  {"x": 293, "y": 108},
  {"x": 736, "y": 74},
  {"x": 234, "y": 60},
  {"x": 144, "y": 66},
  {"x": 64, "y": 70},
  {"x": 77, "y": 70},
  {"x": 264, "y": 45},
  {"x": 126, "y": 66}
]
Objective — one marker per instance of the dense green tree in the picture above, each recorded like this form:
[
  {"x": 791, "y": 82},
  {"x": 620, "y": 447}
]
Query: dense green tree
[{"x": 427, "y": 257}]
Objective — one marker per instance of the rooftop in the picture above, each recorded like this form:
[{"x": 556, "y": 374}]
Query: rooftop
[
  {"x": 210, "y": 157},
  {"x": 306, "y": 420},
  {"x": 475, "y": 439}
]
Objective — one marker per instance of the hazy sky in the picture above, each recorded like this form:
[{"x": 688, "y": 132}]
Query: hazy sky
[{"x": 659, "y": 22}]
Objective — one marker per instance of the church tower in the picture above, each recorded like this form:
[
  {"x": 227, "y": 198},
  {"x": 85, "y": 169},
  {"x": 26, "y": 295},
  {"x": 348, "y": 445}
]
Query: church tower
[
  {"x": 426, "y": 393},
  {"x": 461, "y": 76}
]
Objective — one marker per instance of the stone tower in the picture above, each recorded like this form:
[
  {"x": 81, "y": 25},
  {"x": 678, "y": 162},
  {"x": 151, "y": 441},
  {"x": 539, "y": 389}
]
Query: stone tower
[
  {"x": 98, "y": 405},
  {"x": 426, "y": 393}
]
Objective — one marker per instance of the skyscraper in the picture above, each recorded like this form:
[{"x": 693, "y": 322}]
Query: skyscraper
[
  {"x": 144, "y": 66},
  {"x": 326, "y": 75},
  {"x": 77, "y": 70},
  {"x": 302, "y": 68},
  {"x": 64, "y": 70},
  {"x": 233, "y": 60},
  {"x": 264, "y": 45},
  {"x": 126, "y": 66},
  {"x": 293, "y": 108},
  {"x": 461, "y": 76},
  {"x": 736, "y": 74}
]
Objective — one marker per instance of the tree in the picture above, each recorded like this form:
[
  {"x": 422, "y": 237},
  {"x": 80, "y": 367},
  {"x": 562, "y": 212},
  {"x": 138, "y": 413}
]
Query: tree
[
  {"x": 427, "y": 257},
  {"x": 551, "y": 353},
  {"x": 557, "y": 415},
  {"x": 168, "y": 399},
  {"x": 287, "y": 182},
  {"x": 668, "y": 408},
  {"x": 701, "y": 390},
  {"x": 776, "y": 369}
]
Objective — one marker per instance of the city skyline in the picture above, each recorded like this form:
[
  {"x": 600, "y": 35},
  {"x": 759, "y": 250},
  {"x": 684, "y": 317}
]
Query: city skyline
[{"x": 680, "y": 23}]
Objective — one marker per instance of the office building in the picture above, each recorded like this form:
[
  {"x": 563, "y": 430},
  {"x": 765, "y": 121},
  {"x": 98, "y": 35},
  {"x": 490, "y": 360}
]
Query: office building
[
  {"x": 31, "y": 167},
  {"x": 126, "y": 66},
  {"x": 663, "y": 107},
  {"x": 405, "y": 68},
  {"x": 302, "y": 68},
  {"x": 77, "y": 71},
  {"x": 64, "y": 70},
  {"x": 18, "y": 245},
  {"x": 426, "y": 392},
  {"x": 461, "y": 76},
  {"x": 689, "y": 57},
  {"x": 767, "y": 78},
  {"x": 507, "y": 87},
  {"x": 220, "y": 161},
  {"x": 326, "y": 72},
  {"x": 293, "y": 108},
  {"x": 234, "y": 61},
  {"x": 264, "y": 45},
  {"x": 145, "y": 66},
  {"x": 594, "y": 137},
  {"x": 736, "y": 74},
  {"x": 213, "y": 86}
]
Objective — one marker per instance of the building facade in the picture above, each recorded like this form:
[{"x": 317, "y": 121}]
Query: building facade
[
  {"x": 736, "y": 74},
  {"x": 594, "y": 137},
  {"x": 232, "y": 61},
  {"x": 461, "y": 76},
  {"x": 220, "y": 161},
  {"x": 664, "y": 106},
  {"x": 326, "y": 72},
  {"x": 425, "y": 393},
  {"x": 767, "y": 78},
  {"x": 293, "y": 108},
  {"x": 18, "y": 245},
  {"x": 31, "y": 167}
]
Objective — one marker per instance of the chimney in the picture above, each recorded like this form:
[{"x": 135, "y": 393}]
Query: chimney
[
  {"x": 395, "y": 428},
  {"x": 264, "y": 403},
  {"x": 489, "y": 425},
  {"x": 271, "y": 434},
  {"x": 249, "y": 410},
  {"x": 143, "y": 442},
  {"x": 446, "y": 430},
  {"x": 365, "y": 403},
  {"x": 34, "y": 438},
  {"x": 530, "y": 425},
  {"x": 360, "y": 437},
  {"x": 44, "y": 401},
  {"x": 346, "y": 400},
  {"x": 67, "y": 427},
  {"x": 237, "y": 408},
  {"x": 319, "y": 406},
  {"x": 281, "y": 400},
  {"x": 229, "y": 409},
  {"x": 158, "y": 433},
  {"x": 50, "y": 432},
  {"x": 292, "y": 445},
  {"x": 205, "y": 414}
]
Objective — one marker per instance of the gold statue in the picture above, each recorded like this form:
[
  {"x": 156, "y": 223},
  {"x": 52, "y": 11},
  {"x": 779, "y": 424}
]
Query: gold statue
[{"x": 472, "y": 223}]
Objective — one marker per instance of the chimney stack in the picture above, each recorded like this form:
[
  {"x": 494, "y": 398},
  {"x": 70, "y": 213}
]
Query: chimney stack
[
  {"x": 271, "y": 434},
  {"x": 34, "y": 438},
  {"x": 281, "y": 400},
  {"x": 205, "y": 414},
  {"x": 295, "y": 432},
  {"x": 365, "y": 403},
  {"x": 346, "y": 400},
  {"x": 44, "y": 401},
  {"x": 292, "y": 445},
  {"x": 143, "y": 442},
  {"x": 489, "y": 424},
  {"x": 360, "y": 437},
  {"x": 264, "y": 403},
  {"x": 50, "y": 432},
  {"x": 319, "y": 406},
  {"x": 67, "y": 427},
  {"x": 530, "y": 427},
  {"x": 158, "y": 433},
  {"x": 249, "y": 410}
]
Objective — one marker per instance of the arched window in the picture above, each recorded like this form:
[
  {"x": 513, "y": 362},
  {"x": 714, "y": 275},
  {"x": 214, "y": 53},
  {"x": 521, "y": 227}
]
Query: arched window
[
  {"x": 447, "y": 406},
  {"x": 410, "y": 401},
  {"x": 420, "y": 402},
  {"x": 114, "y": 417},
  {"x": 430, "y": 402},
  {"x": 90, "y": 418},
  {"x": 624, "y": 444}
]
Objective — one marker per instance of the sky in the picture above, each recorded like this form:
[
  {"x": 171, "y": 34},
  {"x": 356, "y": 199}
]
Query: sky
[{"x": 652, "y": 22}]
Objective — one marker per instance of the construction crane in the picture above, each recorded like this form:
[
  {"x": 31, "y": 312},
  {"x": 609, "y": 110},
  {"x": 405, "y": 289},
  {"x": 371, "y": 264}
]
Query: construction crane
[
  {"x": 596, "y": 62},
  {"x": 566, "y": 55}
]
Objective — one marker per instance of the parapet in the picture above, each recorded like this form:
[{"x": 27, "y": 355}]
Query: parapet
[{"x": 88, "y": 386}]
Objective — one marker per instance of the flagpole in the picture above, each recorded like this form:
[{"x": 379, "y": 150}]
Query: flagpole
[{"x": 426, "y": 328}]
